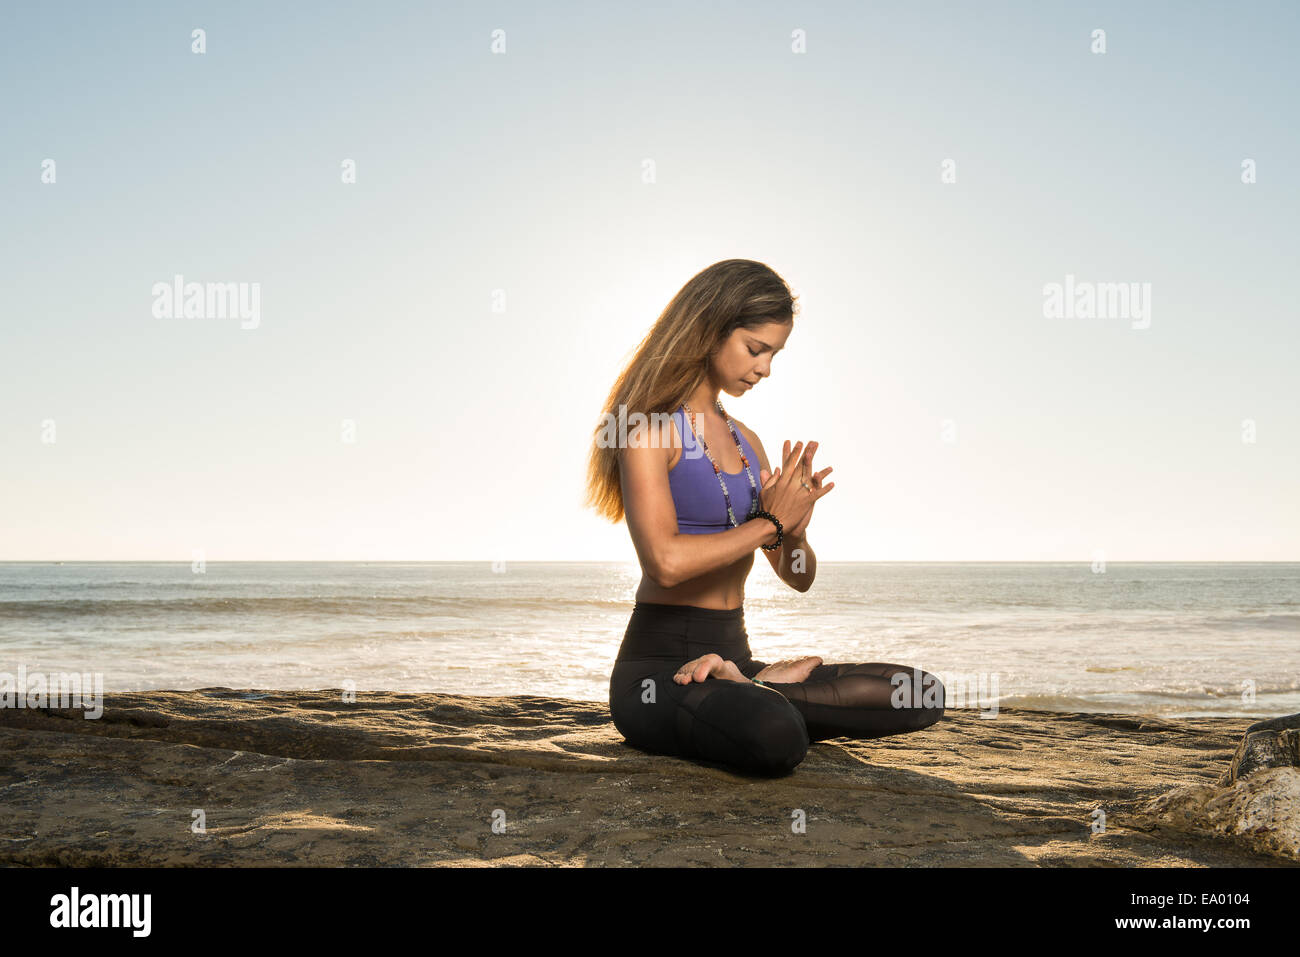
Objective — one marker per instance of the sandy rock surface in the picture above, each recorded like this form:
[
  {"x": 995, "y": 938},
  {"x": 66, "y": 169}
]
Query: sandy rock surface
[{"x": 306, "y": 778}]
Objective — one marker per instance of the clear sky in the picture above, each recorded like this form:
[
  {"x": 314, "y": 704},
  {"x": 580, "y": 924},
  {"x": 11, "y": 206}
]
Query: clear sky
[{"x": 921, "y": 300}]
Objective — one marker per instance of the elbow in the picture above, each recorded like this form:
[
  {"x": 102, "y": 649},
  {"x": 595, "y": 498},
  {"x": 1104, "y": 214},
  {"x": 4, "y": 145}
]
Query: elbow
[
  {"x": 664, "y": 573},
  {"x": 800, "y": 584},
  {"x": 664, "y": 580}
]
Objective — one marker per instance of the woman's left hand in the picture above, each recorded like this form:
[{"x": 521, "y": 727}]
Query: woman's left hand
[{"x": 815, "y": 483}]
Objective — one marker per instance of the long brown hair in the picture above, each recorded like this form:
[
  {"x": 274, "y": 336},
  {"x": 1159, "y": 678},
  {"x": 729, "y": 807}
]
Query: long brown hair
[{"x": 673, "y": 358}]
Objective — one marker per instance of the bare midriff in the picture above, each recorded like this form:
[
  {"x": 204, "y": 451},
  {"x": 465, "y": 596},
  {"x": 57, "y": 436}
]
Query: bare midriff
[
  {"x": 720, "y": 588},
  {"x": 723, "y": 587}
]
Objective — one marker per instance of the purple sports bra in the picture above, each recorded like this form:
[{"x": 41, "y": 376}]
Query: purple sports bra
[{"x": 701, "y": 509}]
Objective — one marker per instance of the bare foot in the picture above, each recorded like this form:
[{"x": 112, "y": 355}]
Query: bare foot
[
  {"x": 790, "y": 670},
  {"x": 707, "y": 666}
]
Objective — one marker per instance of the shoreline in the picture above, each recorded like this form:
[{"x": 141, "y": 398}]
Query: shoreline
[
  {"x": 304, "y": 778},
  {"x": 60, "y": 682}
]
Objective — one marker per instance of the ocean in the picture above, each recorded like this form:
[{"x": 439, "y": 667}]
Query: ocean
[{"x": 1173, "y": 639}]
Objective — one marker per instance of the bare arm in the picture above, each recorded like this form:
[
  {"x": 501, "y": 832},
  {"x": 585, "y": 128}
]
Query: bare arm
[
  {"x": 797, "y": 565},
  {"x": 670, "y": 557}
]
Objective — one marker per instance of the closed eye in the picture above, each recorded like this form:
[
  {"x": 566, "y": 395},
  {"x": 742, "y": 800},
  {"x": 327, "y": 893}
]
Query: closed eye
[{"x": 752, "y": 352}]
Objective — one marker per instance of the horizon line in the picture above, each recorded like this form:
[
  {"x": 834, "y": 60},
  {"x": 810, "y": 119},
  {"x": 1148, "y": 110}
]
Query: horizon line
[{"x": 610, "y": 561}]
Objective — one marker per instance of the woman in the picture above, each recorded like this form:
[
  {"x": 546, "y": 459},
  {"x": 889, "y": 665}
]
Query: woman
[{"x": 685, "y": 682}]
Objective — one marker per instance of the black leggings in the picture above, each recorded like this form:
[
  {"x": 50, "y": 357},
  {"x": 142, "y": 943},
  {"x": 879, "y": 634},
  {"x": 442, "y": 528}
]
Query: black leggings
[{"x": 763, "y": 729}]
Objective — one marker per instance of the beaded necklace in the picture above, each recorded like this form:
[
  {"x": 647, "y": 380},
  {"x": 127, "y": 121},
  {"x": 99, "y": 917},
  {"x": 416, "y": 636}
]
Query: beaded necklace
[{"x": 717, "y": 469}]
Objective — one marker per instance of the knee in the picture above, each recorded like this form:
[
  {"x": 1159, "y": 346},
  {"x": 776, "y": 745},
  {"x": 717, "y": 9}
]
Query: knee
[
  {"x": 775, "y": 739},
  {"x": 928, "y": 716},
  {"x": 641, "y": 713},
  {"x": 933, "y": 701}
]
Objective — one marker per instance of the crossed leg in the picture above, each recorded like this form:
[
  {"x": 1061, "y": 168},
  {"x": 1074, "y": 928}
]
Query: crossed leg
[
  {"x": 861, "y": 700},
  {"x": 736, "y": 723},
  {"x": 767, "y": 730}
]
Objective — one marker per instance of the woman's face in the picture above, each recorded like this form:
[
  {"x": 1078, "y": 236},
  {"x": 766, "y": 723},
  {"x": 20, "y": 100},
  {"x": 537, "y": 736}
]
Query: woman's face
[{"x": 745, "y": 357}]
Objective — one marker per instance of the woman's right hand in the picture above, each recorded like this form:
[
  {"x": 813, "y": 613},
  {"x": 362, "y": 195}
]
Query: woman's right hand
[{"x": 783, "y": 493}]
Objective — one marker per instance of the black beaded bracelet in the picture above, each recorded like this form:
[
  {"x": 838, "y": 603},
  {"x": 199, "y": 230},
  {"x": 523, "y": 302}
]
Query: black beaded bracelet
[{"x": 780, "y": 532}]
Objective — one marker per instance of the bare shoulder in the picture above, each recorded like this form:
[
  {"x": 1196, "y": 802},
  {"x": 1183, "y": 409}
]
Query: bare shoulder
[{"x": 655, "y": 440}]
